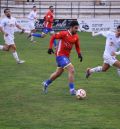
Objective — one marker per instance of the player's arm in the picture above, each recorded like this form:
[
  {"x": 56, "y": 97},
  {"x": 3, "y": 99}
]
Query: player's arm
[
  {"x": 77, "y": 47},
  {"x": 36, "y": 19},
  {"x": 1, "y": 29},
  {"x": 101, "y": 33},
  {"x": 116, "y": 53},
  {"x": 2, "y": 25},
  {"x": 19, "y": 27},
  {"x": 58, "y": 35}
]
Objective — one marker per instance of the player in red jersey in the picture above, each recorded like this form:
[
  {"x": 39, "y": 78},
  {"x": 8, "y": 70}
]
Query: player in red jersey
[
  {"x": 49, "y": 18},
  {"x": 48, "y": 25},
  {"x": 66, "y": 41}
]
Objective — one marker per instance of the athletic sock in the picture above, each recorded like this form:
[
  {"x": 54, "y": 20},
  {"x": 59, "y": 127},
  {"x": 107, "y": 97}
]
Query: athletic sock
[
  {"x": 96, "y": 69},
  {"x": 36, "y": 35},
  {"x": 27, "y": 31},
  {"x": 1, "y": 47},
  {"x": 15, "y": 55},
  {"x": 118, "y": 71},
  {"x": 71, "y": 86},
  {"x": 32, "y": 38},
  {"x": 48, "y": 82}
]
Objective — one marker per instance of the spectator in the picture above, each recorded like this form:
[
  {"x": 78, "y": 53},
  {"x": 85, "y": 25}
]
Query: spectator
[
  {"x": 98, "y": 2},
  {"x": 29, "y": 0}
]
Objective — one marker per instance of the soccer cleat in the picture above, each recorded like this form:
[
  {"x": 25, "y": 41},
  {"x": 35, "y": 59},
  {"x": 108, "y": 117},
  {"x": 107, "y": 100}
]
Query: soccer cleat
[
  {"x": 33, "y": 41},
  {"x": 88, "y": 73},
  {"x": 45, "y": 86},
  {"x": 72, "y": 91},
  {"x": 20, "y": 61}
]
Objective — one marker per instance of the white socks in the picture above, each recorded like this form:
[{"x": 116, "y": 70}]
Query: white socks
[
  {"x": 27, "y": 31},
  {"x": 96, "y": 69},
  {"x": 15, "y": 55},
  {"x": 32, "y": 38},
  {"x": 118, "y": 71},
  {"x": 1, "y": 47}
]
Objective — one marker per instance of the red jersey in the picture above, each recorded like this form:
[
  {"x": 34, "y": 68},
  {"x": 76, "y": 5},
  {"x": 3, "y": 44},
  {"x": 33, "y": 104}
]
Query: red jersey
[
  {"x": 48, "y": 19},
  {"x": 66, "y": 42}
]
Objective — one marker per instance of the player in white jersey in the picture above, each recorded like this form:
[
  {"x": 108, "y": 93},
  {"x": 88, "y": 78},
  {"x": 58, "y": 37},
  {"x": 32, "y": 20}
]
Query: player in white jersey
[
  {"x": 7, "y": 27},
  {"x": 111, "y": 51},
  {"x": 32, "y": 17}
]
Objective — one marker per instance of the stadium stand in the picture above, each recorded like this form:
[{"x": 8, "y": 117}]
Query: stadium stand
[{"x": 66, "y": 8}]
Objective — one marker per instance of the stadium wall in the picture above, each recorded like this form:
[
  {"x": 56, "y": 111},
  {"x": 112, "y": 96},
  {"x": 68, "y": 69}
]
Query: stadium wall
[{"x": 87, "y": 25}]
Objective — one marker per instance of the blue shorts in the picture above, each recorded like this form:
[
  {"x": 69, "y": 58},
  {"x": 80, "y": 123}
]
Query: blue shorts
[
  {"x": 62, "y": 61},
  {"x": 47, "y": 30}
]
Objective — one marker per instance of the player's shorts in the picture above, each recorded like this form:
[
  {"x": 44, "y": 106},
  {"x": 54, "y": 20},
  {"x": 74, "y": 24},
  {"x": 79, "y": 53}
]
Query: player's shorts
[
  {"x": 62, "y": 61},
  {"x": 109, "y": 60},
  {"x": 48, "y": 30},
  {"x": 31, "y": 25},
  {"x": 9, "y": 40}
]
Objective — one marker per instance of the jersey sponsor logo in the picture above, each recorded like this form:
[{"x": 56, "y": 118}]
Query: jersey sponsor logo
[
  {"x": 111, "y": 43},
  {"x": 68, "y": 46}
]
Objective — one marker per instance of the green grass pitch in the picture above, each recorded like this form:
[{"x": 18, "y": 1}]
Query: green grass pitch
[{"x": 24, "y": 106}]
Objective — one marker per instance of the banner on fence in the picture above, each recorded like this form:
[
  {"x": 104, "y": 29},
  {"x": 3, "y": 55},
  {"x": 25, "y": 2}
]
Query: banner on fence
[
  {"x": 59, "y": 24},
  {"x": 87, "y": 25},
  {"x": 96, "y": 25}
]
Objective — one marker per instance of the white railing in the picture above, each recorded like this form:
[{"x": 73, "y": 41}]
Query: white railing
[{"x": 65, "y": 9}]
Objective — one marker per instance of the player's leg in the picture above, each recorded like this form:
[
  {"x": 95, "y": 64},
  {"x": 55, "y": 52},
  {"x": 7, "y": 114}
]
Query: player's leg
[
  {"x": 118, "y": 71},
  {"x": 12, "y": 47},
  {"x": 42, "y": 35},
  {"x": 32, "y": 37},
  {"x": 103, "y": 68},
  {"x": 65, "y": 63},
  {"x": 71, "y": 71},
  {"x": 53, "y": 76},
  {"x": 62, "y": 62},
  {"x": 14, "y": 53},
  {"x": 9, "y": 41},
  {"x": 108, "y": 61},
  {"x": 4, "y": 47},
  {"x": 56, "y": 74},
  {"x": 32, "y": 29},
  {"x": 117, "y": 64}
]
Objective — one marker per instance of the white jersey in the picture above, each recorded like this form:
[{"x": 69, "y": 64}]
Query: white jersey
[
  {"x": 8, "y": 25},
  {"x": 32, "y": 16},
  {"x": 112, "y": 43}
]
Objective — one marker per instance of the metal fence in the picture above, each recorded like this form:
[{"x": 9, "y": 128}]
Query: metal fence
[{"x": 64, "y": 9}]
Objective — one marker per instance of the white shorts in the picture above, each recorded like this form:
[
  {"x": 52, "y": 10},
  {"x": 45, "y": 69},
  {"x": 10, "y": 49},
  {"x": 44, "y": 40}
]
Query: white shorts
[
  {"x": 9, "y": 40},
  {"x": 109, "y": 60},
  {"x": 31, "y": 25}
]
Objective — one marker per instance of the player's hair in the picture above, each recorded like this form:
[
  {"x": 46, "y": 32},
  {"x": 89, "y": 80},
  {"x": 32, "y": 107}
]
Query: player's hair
[
  {"x": 6, "y": 10},
  {"x": 50, "y": 7},
  {"x": 74, "y": 23},
  {"x": 34, "y": 6},
  {"x": 118, "y": 27}
]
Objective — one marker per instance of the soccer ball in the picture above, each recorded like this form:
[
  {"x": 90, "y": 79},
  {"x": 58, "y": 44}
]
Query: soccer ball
[{"x": 80, "y": 94}]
